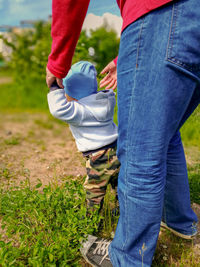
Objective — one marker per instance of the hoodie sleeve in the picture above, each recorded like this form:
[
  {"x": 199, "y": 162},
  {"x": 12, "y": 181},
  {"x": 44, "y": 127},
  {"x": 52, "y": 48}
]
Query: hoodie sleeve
[{"x": 70, "y": 112}]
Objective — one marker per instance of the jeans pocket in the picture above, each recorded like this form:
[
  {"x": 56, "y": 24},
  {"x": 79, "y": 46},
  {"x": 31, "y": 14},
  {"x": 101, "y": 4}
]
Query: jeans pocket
[{"x": 184, "y": 37}]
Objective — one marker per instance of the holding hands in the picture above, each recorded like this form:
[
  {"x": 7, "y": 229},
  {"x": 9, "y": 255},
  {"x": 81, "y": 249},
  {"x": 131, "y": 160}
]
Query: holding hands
[
  {"x": 110, "y": 80},
  {"x": 50, "y": 78}
]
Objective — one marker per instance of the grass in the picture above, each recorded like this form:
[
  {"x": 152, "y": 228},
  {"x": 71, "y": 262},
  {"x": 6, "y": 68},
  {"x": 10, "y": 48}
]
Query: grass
[
  {"x": 190, "y": 131},
  {"x": 173, "y": 251},
  {"x": 27, "y": 95},
  {"x": 5, "y": 72},
  {"x": 44, "y": 225},
  {"x": 14, "y": 140},
  {"x": 194, "y": 181}
]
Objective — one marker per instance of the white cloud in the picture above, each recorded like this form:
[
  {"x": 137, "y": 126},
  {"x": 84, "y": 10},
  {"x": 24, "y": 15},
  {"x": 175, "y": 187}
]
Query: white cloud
[{"x": 93, "y": 22}]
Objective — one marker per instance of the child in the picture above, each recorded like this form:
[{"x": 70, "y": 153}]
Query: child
[{"x": 90, "y": 117}]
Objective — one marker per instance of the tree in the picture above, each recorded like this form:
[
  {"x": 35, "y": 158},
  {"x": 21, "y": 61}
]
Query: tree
[
  {"x": 32, "y": 47},
  {"x": 82, "y": 48},
  {"x": 105, "y": 44}
]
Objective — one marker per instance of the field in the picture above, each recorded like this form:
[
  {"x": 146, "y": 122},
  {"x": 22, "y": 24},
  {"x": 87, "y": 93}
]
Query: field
[{"x": 42, "y": 212}]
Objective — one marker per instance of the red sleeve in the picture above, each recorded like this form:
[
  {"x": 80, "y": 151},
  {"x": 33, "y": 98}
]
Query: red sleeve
[
  {"x": 67, "y": 20},
  {"x": 115, "y": 60}
]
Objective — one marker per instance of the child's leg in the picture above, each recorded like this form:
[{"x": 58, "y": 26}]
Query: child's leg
[{"x": 102, "y": 167}]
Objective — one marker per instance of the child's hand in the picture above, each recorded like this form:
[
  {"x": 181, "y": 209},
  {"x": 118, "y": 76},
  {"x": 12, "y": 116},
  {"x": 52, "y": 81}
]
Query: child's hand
[
  {"x": 50, "y": 78},
  {"x": 111, "y": 78}
]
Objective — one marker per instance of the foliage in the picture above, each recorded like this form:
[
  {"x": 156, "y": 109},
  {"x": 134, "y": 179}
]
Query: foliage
[
  {"x": 30, "y": 51},
  {"x": 105, "y": 44},
  {"x": 1, "y": 57},
  {"x": 99, "y": 47},
  {"x": 32, "y": 47},
  {"x": 2, "y": 63},
  {"x": 29, "y": 57},
  {"x": 44, "y": 228},
  {"x": 82, "y": 48}
]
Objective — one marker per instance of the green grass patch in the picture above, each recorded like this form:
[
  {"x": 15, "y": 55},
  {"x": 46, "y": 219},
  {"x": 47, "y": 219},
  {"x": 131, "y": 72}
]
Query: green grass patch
[
  {"x": 44, "y": 124},
  {"x": 194, "y": 181},
  {"x": 27, "y": 96},
  {"x": 44, "y": 227},
  {"x": 5, "y": 72},
  {"x": 173, "y": 251},
  {"x": 190, "y": 131},
  {"x": 12, "y": 141}
]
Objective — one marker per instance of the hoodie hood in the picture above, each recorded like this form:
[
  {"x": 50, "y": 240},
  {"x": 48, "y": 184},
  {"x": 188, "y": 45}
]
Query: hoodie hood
[{"x": 81, "y": 80}]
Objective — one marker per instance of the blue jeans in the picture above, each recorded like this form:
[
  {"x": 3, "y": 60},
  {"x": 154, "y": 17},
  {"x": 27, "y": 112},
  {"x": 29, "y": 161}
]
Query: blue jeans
[{"x": 158, "y": 89}]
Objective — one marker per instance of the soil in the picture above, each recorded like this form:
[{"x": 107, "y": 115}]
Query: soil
[
  {"x": 37, "y": 147},
  {"x": 5, "y": 80}
]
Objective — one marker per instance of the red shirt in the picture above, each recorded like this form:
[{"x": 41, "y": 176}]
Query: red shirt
[{"x": 67, "y": 20}]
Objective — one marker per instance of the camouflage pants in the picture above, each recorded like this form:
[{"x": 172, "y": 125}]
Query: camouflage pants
[{"x": 102, "y": 168}]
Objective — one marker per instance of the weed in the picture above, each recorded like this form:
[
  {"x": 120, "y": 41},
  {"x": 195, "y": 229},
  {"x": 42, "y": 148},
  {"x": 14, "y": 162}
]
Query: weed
[
  {"x": 12, "y": 141},
  {"x": 5, "y": 173},
  {"x": 44, "y": 124},
  {"x": 194, "y": 181},
  {"x": 142, "y": 251},
  {"x": 44, "y": 228}
]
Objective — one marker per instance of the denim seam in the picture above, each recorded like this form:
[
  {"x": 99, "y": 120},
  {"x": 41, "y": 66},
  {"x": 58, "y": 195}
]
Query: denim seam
[
  {"x": 139, "y": 39},
  {"x": 172, "y": 30},
  {"x": 128, "y": 133},
  {"x": 170, "y": 46},
  {"x": 183, "y": 65}
]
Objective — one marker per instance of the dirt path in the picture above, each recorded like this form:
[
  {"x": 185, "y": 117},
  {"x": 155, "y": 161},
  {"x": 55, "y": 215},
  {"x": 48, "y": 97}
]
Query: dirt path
[
  {"x": 5, "y": 80},
  {"x": 35, "y": 146}
]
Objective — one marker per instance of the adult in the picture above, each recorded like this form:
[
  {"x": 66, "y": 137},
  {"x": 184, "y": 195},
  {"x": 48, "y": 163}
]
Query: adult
[{"x": 158, "y": 73}]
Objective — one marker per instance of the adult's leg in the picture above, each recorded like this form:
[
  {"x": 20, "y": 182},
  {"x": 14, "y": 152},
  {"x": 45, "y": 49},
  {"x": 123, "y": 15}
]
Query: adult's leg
[
  {"x": 177, "y": 211},
  {"x": 157, "y": 77}
]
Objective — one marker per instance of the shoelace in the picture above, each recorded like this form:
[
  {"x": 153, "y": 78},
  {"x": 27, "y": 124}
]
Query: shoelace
[{"x": 102, "y": 249}]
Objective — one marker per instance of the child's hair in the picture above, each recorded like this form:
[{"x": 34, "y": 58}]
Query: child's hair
[{"x": 81, "y": 80}]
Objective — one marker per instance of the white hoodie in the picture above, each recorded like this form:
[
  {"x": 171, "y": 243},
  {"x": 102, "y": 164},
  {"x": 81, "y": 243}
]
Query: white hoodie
[{"x": 90, "y": 118}]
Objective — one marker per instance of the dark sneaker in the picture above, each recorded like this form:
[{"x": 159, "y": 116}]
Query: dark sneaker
[
  {"x": 185, "y": 236},
  {"x": 95, "y": 251}
]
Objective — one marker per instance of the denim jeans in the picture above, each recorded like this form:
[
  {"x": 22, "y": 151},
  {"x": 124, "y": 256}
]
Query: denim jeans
[{"x": 158, "y": 89}]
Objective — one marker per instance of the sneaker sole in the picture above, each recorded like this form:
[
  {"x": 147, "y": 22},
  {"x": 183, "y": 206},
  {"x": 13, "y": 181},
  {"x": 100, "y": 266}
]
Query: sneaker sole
[
  {"x": 85, "y": 258},
  {"x": 188, "y": 237},
  {"x": 85, "y": 249}
]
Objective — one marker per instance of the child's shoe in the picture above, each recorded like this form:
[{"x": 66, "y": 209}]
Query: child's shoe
[{"x": 95, "y": 251}]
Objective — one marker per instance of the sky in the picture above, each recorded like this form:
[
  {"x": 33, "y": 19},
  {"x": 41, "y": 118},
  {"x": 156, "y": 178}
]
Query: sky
[{"x": 13, "y": 11}]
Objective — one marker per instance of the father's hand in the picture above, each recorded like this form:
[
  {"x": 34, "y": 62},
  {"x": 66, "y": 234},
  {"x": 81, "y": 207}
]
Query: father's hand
[
  {"x": 50, "y": 78},
  {"x": 111, "y": 77}
]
